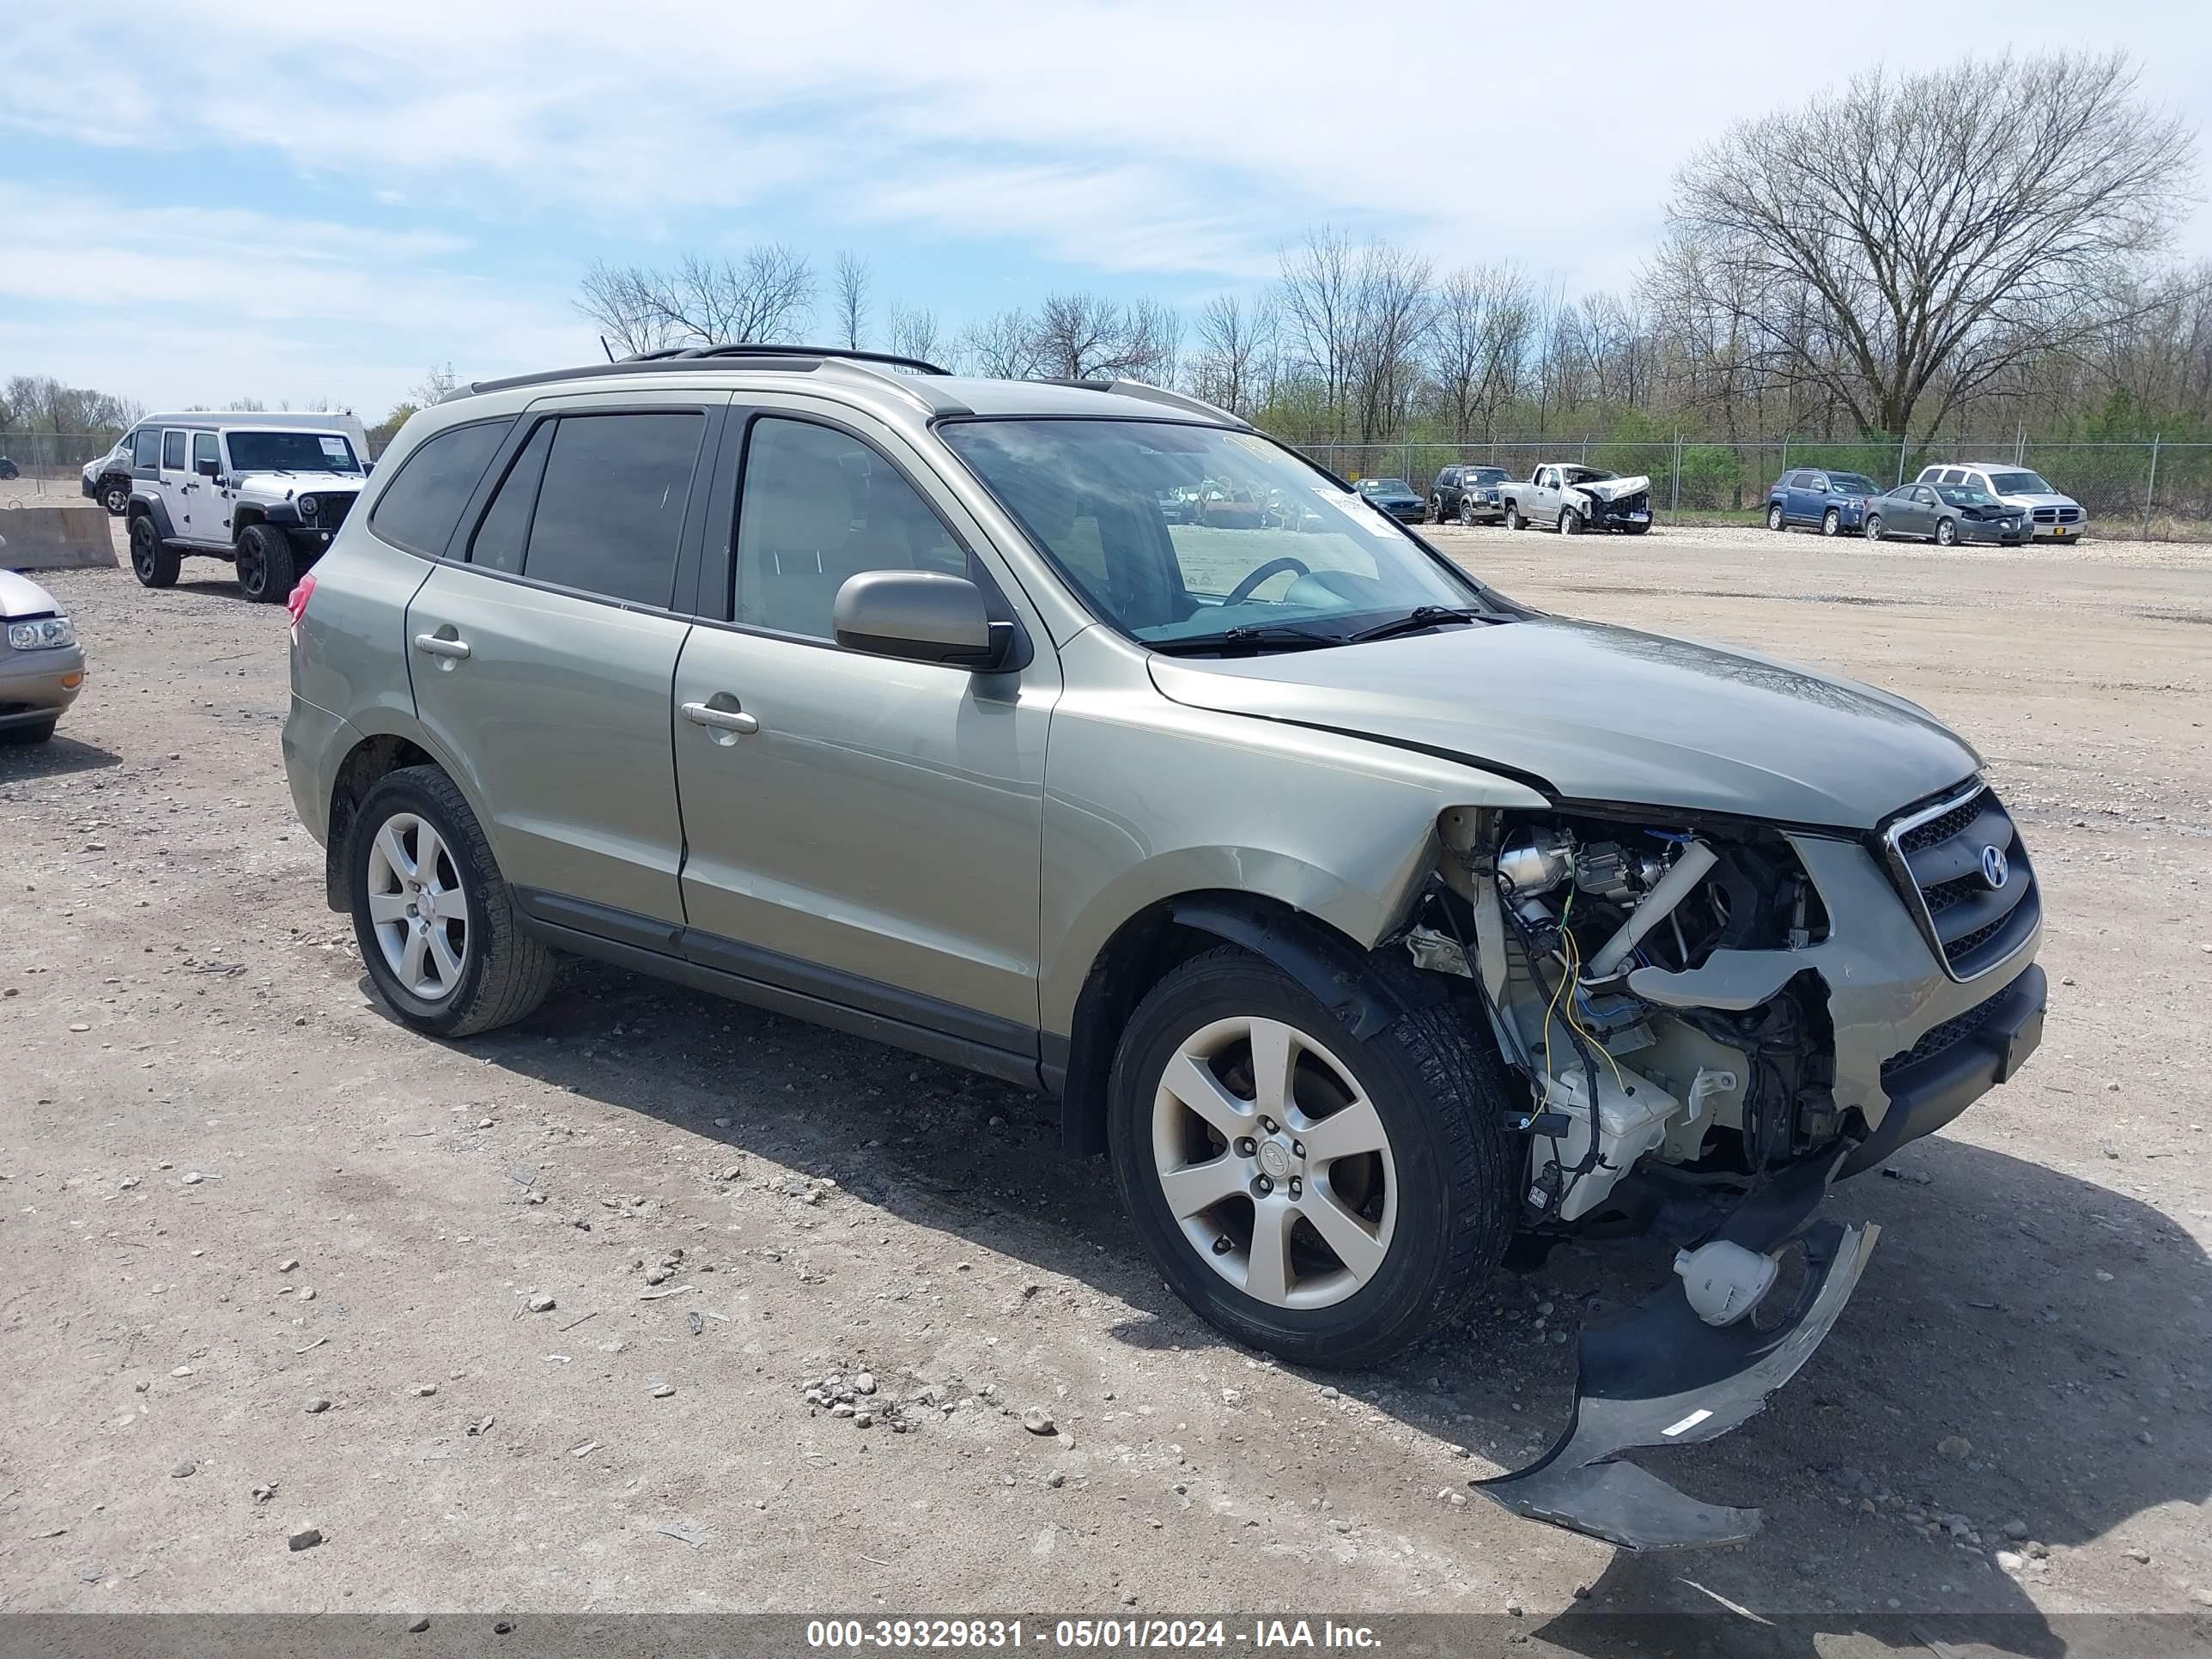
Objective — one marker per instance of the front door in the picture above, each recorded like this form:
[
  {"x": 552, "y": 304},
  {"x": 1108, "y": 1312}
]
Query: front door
[
  {"x": 542, "y": 650},
  {"x": 862, "y": 829},
  {"x": 210, "y": 500}
]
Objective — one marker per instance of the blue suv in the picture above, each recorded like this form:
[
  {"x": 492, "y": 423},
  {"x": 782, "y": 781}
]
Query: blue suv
[{"x": 1836, "y": 501}]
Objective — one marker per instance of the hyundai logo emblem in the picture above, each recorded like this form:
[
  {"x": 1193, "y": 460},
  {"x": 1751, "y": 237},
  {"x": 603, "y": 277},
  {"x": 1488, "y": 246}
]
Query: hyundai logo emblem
[{"x": 1994, "y": 868}]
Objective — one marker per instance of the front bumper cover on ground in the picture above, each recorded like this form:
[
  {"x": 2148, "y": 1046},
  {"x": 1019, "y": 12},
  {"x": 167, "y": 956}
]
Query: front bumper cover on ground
[{"x": 1659, "y": 1376}]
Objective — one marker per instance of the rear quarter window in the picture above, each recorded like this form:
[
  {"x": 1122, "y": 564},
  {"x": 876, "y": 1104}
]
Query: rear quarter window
[{"x": 422, "y": 505}]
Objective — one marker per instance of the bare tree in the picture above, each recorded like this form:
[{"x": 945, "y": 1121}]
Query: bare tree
[
  {"x": 1318, "y": 297},
  {"x": 1002, "y": 345},
  {"x": 766, "y": 294},
  {"x": 852, "y": 282},
  {"x": 1936, "y": 229},
  {"x": 1477, "y": 337},
  {"x": 1087, "y": 337},
  {"x": 434, "y": 387},
  {"x": 914, "y": 333},
  {"x": 1233, "y": 339}
]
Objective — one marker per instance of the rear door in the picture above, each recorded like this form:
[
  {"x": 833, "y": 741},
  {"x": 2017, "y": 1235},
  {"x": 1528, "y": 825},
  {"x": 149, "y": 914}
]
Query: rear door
[
  {"x": 544, "y": 642},
  {"x": 862, "y": 830},
  {"x": 191, "y": 499}
]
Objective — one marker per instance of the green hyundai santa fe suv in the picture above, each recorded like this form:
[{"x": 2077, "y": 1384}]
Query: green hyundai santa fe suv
[{"x": 1364, "y": 918}]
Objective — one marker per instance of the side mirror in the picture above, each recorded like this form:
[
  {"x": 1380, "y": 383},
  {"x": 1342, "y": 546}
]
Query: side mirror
[
  {"x": 206, "y": 468},
  {"x": 918, "y": 615}
]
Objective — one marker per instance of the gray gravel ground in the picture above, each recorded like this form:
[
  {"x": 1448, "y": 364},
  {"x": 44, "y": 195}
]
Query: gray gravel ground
[{"x": 270, "y": 1261}]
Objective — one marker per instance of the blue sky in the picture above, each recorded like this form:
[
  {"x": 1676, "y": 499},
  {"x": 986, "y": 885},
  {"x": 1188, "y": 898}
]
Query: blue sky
[{"x": 296, "y": 203}]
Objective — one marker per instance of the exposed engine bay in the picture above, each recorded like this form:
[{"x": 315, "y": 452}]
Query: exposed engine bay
[{"x": 1716, "y": 1127}]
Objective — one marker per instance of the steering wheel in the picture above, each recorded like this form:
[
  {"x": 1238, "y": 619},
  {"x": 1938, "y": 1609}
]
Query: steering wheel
[{"x": 1244, "y": 589}]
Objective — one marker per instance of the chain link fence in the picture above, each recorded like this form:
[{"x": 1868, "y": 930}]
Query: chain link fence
[
  {"x": 48, "y": 463},
  {"x": 2153, "y": 490}
]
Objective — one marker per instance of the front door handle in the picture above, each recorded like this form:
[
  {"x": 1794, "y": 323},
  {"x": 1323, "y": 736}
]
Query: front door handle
[
  {"x": 438, "y": 646},
  {"x": 721, "y": 720}
]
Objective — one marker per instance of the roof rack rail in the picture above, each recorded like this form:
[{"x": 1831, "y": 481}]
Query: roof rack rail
[
  {"x": 755, "y": 349},
  {"x": 1146, "y": 392}
]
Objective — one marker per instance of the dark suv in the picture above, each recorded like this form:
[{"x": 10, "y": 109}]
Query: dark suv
[
  {"x": 1466, "y": 495},
  {"x": 1833, "y": 502}
]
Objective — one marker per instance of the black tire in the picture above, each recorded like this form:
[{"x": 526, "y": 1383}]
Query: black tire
[
  {"x": 1634, "y": 529},
  {"x": 1774, "y": 518},
  {"x": 115, "y": 496},
  {"x": 1440, "y": 1096},
  {"x": 1466, "y": 513},
  {"x": 1570, "y": 522},
  {"x": 506, "y": 972},
  {"x": 38, "y": 732},
  {"x": 153, "y": 561},
  {"x": 1513, "y": 518},
  {"x": 1832, "y": 523},
  {"x": 1947, "y": 532},
  {"x": 266, "y": 569},
  {"x": 1874, "y": 526},
  {"x": 1434, "y": 513}
]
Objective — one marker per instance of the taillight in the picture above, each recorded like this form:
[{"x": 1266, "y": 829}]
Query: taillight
[{"x": 302, "y": 591}]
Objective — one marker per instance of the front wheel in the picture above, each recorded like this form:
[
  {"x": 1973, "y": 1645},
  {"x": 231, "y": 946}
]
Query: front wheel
[
  {"x": 1435, "y": 513},
  {"x": 435, "y": 920},
  {"x": 1570, "y": 522},
  {"x": 1774, "y": 515},
  {"x": 1874, "y": 526},
  {"x": 1947, "y": 532},
  {"x": 266, "y": 570},
  {"x": 1327, "y": 1199},
  {"x": 1466, "y": 514},
  {"x": 115, "y": 497},
  {"x": 1832, "y": 522}
]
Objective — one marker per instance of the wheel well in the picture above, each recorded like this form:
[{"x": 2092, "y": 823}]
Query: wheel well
[
  {"x": 358, "y": 773},
  {"x": 1347, "y": 980},
  {"x": 244, "y": 520}
]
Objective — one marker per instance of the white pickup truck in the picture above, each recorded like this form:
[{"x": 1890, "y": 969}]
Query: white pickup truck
[{"x": 1572, "y": 499}]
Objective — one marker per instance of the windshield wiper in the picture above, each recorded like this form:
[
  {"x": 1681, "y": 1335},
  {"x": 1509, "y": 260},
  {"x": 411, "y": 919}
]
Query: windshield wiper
[
  {"x": 1246, "y": 639},
  {"x": 1420, "y": 617}
]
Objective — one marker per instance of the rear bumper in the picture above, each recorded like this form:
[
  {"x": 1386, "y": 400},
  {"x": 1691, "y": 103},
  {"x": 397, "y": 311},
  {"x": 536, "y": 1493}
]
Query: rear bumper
[
  {"x": 1926, "y": 1095},
  {"x": 316, "y": 742}
]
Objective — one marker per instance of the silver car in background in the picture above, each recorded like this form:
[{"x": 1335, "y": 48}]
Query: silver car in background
[
  {"x": 1364, "y": 917},
  {"x": 41, "y": 661}
]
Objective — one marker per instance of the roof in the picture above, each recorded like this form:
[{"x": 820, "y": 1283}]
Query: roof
[{"x": 275, "y": 420}]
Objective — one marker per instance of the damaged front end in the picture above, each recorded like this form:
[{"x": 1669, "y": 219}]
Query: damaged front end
[{"x": 1668, "y": 993}]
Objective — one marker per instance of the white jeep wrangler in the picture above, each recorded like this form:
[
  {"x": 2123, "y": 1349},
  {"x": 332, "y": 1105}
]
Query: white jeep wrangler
[{"x": 266, "y": 491}]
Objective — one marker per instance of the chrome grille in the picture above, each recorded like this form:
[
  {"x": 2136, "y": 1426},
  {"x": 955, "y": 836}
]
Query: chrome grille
[{"x": 1939, "y": 853}]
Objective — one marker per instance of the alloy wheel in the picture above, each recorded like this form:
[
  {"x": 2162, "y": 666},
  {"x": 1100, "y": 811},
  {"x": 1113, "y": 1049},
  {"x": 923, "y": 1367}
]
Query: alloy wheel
[
  {"x": 1774, "y": 518},
  {"x": 1274, "y": 1163},
  {"x": 1832, "y": 523},
  {"x": 418, "y": 906}
]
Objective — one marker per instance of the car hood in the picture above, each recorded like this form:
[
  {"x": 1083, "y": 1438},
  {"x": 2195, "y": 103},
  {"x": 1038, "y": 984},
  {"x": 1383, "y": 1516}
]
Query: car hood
[
  {"x": 299, "y": 484},
  {"x": 1613, "y": 489},
  {"x": 21, "y": 596},
  {"x": 1598, "y": 713},
  {"x": 2039, "y": 500}
]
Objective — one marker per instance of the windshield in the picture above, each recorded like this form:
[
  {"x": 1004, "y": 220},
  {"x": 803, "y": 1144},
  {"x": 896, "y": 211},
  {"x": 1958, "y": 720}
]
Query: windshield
[
  {"x": 2019, "y": 483},
  {"x": 1586, "y": 474},
  {"x": 1853, "y": 483},
  {"x": 292, "y": 452},
  {"x": 1967, "y": 495},
  {"x": 1385, "y": 486},
  {"x": 1313, "y": 558},
  {"x": 1489, "y": 475}
]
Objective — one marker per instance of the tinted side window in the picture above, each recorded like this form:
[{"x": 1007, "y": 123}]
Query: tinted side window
[
  {"x": 145, "y": 447},
  {"x": 611, "y": 509},
  {"x": 173, "y": 451},
  {"x": 819, "y": 507},
  {"x": 420, "y": 507},
  {"x": 205, "y": 448},
  {"x": 500, "y": 538}
]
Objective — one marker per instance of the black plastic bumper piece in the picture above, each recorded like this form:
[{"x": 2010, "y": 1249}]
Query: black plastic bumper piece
[
  {"x": 1924, "y": 1095},
  {"x": 1659, "y": 1376}
]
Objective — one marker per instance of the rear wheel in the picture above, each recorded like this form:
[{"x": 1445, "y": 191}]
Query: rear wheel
[
  {"x": 435, "y": 920},
  {"x": 1832, "y": 522},
  {"x": 154, "y": 563},
  {"x": 1774, "y": 515},
  {"x": 266, "y": 570},
  {"x": 1326, "y": 1199}
]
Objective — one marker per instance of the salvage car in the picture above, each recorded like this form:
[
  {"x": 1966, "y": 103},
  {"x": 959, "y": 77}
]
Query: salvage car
[
  {"x": 41, "y": 662},
  {"x": 1364, "y": 917},
  {"x": 1946, "y": 514},
  {"x": 1572, "y": 498},
  {"x": 1393, "y": 496}
]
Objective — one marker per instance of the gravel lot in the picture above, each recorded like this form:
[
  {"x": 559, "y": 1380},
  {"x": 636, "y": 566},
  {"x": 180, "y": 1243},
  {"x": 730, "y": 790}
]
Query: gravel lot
[{"x": 232, "y": 1190}]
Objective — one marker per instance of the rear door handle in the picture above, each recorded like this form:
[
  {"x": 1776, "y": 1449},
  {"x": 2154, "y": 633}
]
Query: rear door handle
[
  {"x": 721, "y": 720},
  {"x": 439, "y": 646}
]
